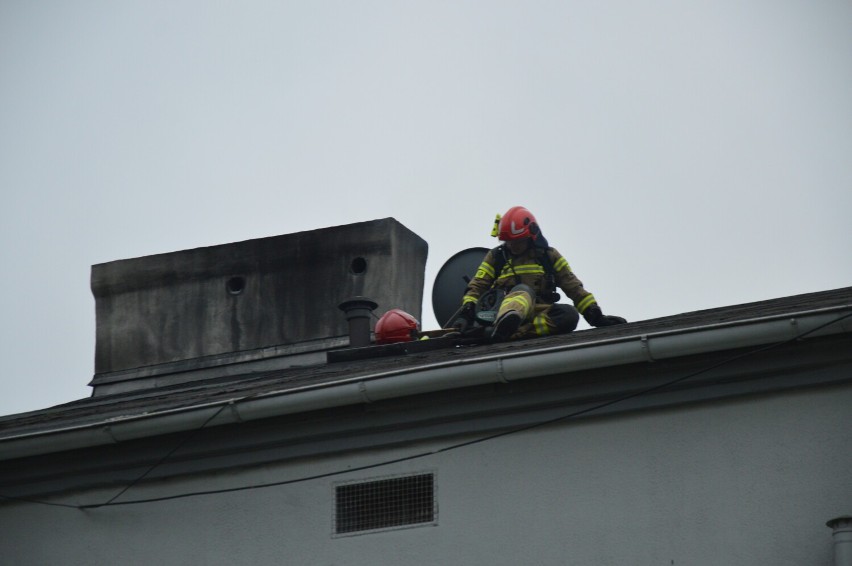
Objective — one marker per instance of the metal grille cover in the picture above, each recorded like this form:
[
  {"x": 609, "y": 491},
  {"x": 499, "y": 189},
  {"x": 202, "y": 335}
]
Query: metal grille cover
[{"x": 384, "y": 503}]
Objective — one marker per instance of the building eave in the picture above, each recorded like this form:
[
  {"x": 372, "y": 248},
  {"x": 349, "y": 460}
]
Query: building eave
[{"x": 502, "y": 366}]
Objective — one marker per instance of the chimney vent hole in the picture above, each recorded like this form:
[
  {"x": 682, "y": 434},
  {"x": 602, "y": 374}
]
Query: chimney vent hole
[
  {"x": 235, "y": 285},
  {"x": 358, "y": 266}
]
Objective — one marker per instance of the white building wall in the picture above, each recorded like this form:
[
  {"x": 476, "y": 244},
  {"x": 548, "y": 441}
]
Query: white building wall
[{"x": 749, "y": 481}]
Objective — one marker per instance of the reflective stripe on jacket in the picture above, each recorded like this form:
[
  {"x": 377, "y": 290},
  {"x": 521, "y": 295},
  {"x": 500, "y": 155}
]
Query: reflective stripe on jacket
[{"x": 527, "y": 268}]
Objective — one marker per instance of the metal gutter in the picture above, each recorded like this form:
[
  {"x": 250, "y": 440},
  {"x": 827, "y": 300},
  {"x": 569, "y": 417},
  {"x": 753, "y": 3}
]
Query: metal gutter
[{"x": 493, "y": 368}]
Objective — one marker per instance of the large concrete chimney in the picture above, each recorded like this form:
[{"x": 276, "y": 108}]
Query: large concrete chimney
[{"x": 190, "y": 313}]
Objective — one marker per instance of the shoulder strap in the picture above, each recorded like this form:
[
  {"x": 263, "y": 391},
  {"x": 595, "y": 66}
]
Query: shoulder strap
[
  {"x": 499, "y": 255},
  {"x": 549, "y": 292},
  {"x": 546, "y": 262}
]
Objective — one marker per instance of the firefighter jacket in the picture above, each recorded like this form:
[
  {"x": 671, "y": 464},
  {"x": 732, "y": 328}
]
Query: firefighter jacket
[{"x": 530, "y": 268}]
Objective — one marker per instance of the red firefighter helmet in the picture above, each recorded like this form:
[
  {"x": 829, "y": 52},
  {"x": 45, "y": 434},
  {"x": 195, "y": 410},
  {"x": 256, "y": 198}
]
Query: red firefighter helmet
[
  {"x": 518, "y": 223},
  {"x": 396, "y": 325}
]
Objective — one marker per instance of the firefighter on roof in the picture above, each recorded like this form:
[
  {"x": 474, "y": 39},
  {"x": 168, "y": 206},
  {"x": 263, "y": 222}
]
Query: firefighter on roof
[{"x": 528, "y": 270}]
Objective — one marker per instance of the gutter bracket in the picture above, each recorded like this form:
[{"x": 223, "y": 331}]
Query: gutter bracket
[
  {"x": 794, "y": 325},
  {"x": 501, "y": 375},
  {"x": 646, "y": 347},
  {"x": 235, "y": 412},
  {"x": 362, "y": 389}
]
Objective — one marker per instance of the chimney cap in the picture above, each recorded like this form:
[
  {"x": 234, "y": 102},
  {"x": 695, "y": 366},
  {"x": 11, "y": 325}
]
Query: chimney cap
[{"x": 355, "y": 304}]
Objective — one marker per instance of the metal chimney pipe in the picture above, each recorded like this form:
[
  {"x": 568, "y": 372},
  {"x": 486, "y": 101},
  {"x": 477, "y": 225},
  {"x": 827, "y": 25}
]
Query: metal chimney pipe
[
  {"x": 842, "y": 536},
  {"x": 358, "y": 311}
]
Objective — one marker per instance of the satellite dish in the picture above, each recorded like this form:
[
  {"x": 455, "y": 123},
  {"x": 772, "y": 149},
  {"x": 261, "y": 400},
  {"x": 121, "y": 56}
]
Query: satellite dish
[{"x": 451, "y": 282}]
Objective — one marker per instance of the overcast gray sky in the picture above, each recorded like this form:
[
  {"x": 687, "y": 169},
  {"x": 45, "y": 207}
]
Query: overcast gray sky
[{"x": 681, "y": 155}]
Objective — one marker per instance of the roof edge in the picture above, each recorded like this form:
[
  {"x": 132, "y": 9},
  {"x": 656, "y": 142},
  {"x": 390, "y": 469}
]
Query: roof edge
[{"x": 494, "y": 368}]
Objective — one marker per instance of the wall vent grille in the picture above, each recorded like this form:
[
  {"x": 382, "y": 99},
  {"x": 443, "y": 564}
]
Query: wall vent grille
[{"x": 386, "y": 503}]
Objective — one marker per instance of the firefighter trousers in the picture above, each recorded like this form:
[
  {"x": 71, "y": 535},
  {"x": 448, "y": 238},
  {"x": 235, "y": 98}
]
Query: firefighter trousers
[{"x": 537, "y": 319}]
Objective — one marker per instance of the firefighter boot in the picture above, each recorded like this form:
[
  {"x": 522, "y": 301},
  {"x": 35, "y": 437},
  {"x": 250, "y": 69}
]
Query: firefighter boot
[
  {"x": 506, "y": 326},
  {"x": 514, "y": 309}
]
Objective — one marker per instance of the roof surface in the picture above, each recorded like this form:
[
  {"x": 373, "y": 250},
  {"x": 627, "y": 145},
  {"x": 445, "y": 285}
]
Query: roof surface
[{"x": 98, "y": 409}]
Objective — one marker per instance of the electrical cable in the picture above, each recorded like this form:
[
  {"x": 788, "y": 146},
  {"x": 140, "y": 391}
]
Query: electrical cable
[
  {"x": 166, "y": 457},
  {"x": 112, "y": 502}
]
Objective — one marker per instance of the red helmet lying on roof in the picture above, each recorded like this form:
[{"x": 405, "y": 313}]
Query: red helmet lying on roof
[{"x": 396, "y": 325}]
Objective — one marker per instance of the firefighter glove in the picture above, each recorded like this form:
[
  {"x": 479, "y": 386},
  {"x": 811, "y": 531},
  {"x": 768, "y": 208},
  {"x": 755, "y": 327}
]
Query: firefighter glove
[
  {"x": 595, "y": 316},
  {"x": 465, "y": 318}
]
